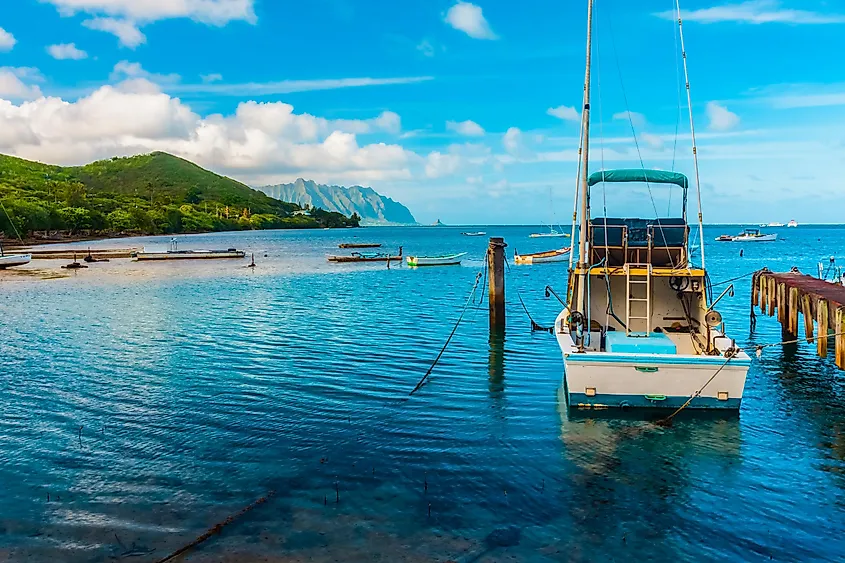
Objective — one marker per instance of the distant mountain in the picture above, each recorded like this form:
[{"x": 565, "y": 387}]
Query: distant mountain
[{"x": 372, "y": 207}]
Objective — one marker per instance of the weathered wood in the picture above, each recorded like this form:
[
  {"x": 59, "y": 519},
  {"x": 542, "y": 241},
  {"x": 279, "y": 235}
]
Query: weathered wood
[
  {"x": 764, "y": 294},
  {"x": 755, "y": 292},
  {"x": 821, "y": 317},
  {"x": 496, "y": 269},
  {"x": 772, "y": 297},
  {"x": 807, "y": 311},
  {"x": 780, "y": 291},
  {"x": 793, "y": 310},
  {"x": 839, "y": 328}
]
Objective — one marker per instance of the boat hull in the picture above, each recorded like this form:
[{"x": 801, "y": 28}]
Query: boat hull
[
  {"x": 349, "y": 259},
  {"x": 602, "y": 380},
  {"x": 761, "y": 238},
  {"x": 10, "y": 261},
  {"x": 189, "y": 255},
  {"x": 541, "y": 257},
  {"x": 416, "y": 261}
]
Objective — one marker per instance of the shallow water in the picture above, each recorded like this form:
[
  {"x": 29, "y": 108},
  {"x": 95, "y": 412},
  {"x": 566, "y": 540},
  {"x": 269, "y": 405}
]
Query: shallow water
[{"x": 144, "y": 403}]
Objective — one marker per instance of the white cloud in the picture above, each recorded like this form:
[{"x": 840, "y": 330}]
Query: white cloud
[
  {"x": 7, "y": 40},
  {"x": 469, "y": 18},
  {"x": 466, "y": 128},
  {"x": 755, "y": 12},
  {"x": 125, "y": 30},
  {"x": 125, "y": 69},
  {"x": 565, "y": 113},
  {"x": 426, "y": 48},
  {"x": 389, "y": 122},
  {"x": 211, "y": 78},
  {"x": 513, "y": 142},
  {"x": 438, "y": 164},
  {"x": 291, "y": 86},
  {"x": 721, "y": 119},
  {"x": 267, "y": 141},
  {"x": 214, "y": 12},
  {"x": 66, "y": 51},
  {"x": 13, "y": 83},
  {"x": 637, "y": 119},
  {"x": 654, "y": 142}
]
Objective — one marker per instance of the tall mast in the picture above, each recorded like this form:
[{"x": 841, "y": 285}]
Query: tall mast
[
  {"x": 692, "y": 132},
  {"x": 585, "y": 160}
]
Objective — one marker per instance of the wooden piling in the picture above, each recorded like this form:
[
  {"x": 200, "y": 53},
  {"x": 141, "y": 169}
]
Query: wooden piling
[
  {"x": 807, "y": 312},
  {"x": 772, "y": 297},
  {"x": 793, "y": 300},
  {"x": 839, "y": 329},
  {"x": 821, "y": 345},
  {"x": 763, "y": 283},
  {"x": 496, "y": 274}
]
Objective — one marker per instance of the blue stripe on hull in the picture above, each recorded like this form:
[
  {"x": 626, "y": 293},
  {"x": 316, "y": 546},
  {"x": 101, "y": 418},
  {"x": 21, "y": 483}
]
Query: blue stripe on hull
[{"x": 581, "y": 400}]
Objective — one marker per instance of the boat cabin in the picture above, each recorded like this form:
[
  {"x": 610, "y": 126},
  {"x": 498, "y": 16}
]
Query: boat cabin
[{"x": 644, "y": 296}]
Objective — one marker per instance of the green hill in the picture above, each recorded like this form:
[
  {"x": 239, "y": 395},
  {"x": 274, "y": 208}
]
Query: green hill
[{"x": 147, "y": 194}]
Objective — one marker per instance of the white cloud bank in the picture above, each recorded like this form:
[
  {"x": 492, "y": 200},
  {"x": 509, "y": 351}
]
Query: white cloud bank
[
  {"x": 259, "y": 142},
  {"x": 565, "y": 113},
  {"x": 66, "y": 51},
  {"x": 470, "y": 19},
  {"x": 124, "y": 18},
  {"x": 16, "y": 83},
  {"x": 7, "y": 40},
  {"x": 755, "y": 12}
]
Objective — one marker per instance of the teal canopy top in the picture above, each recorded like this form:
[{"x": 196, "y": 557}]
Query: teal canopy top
[{"x": 639, "y": 175}]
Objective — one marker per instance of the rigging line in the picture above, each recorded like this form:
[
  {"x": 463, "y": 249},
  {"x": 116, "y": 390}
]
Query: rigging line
[
  {"x": 448, "y": 340},
  {"x": 678, "y": 120},
  {"x": 634, "y": 133},
  {"x": 749, "y": 274},
  {"x": 603, "y": 185},
  {"x": 12, "y": 223}
]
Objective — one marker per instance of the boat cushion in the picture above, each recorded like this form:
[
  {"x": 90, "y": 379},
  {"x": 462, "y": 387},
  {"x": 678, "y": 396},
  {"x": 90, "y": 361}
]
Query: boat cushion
[{"x": 639, "y": 343}]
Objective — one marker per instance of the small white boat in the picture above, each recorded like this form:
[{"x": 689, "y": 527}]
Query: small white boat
[
  {"x": 446, "y": 260},
  {"x": 12, "y": 260},
  {"x": 773, "y": 225},
  {"x": 474, "y": 234},
  {"x": 551, "y": 234},
  {"x": 560, "y": 255},
  {"x": 754, "y": 235},
  {"x": 792, "y": 223}
]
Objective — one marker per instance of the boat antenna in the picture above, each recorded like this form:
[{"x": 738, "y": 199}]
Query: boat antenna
[
  {"x": 692, "y": 130},
  {"x": 585, "y": 160}
]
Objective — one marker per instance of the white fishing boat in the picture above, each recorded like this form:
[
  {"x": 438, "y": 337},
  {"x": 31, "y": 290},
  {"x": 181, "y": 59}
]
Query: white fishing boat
[
  {"x": 773, "y": 225},
  {"x": 792, "y": 223},
  {"x": 561, "y": 255},
  {"x": 640, "y": 329},
  {"x": 754, "y": 235},
  {"x": 474, "y": 234},
  {"x": 12, "y": 260},
  {"x": 445, "y": 260}
]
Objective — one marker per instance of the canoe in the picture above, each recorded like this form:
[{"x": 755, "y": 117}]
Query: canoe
[
  {"x": 190, "y": 254},
  {"x": 357, "y": 245},
  {"x": 447, "y": 260},
  {"x": 12, "y": 260},
  {"x": 368, "y": 257},
  {"x": 542, "y": 257}
]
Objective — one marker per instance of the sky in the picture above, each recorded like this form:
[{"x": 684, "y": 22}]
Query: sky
[{"x": 467, "y": 112}]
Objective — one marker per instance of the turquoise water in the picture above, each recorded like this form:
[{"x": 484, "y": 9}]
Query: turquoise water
[{"x": 150, "y": 401}]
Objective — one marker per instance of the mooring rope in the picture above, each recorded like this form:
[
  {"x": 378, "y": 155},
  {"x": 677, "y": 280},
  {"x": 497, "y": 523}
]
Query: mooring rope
[
  {"x": 726, "y": 282},
  {"x": 451, "y": 335},
  {"x": 535, "y": 326},
  {"x": 216, "y": 529}
]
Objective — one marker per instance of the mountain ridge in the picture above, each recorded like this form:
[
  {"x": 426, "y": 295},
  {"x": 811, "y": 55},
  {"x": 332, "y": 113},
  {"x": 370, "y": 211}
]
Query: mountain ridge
[{"x": 373, "y": 207}]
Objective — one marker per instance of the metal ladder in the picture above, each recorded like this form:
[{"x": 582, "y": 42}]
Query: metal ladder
[{"x": 635, "y": 297}]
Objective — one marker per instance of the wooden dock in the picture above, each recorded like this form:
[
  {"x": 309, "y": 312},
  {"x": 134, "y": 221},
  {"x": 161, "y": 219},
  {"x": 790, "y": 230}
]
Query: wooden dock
[
  {"x": 79, "y": 253},
  {"x": 821, "y": 303}
]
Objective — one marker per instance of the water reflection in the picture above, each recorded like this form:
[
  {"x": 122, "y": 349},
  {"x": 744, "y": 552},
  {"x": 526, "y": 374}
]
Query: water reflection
[{"x": 496, "y": 362}]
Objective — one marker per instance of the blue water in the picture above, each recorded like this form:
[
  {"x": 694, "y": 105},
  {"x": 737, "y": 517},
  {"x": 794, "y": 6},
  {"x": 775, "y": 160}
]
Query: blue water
[{"x": 150, "y": 401}]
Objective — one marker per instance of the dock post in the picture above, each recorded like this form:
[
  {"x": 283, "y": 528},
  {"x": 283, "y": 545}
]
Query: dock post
[
  {"x": 772, "y": 297},
  {"x": 807, "y": 311},
  {"x": 496, "y": 273},
  {"x": 764, "y": 295},
  {"x": 793, "y": 311},
  {"x": 840, "y": 338},
  {"x": 821, "y": 313}
]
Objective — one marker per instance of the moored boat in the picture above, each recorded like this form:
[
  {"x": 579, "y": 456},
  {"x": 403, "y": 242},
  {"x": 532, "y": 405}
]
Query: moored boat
[
  {"x": 560, "y": 255},
  {"x": 474, "y": 234},
  {"x": 445, "y": 260},
  {"x": 639, "y": 329},
  {"x": 368, "y": 257},
  {"x": 792, "y": 223},
  {"x": 551, "y": 234},
  {"x": 358, "y": 245},
  {"x": 12, "y": 260},
  {"x": 174, "y": 254},
  {"x": 754, "y": 235}
]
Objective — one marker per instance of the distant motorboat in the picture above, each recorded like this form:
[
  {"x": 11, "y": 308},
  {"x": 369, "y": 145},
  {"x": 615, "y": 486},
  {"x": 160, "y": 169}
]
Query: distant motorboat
[
  {"x": 749, "y": 235},
  {"x": 474, "y": 234},
  {"x": 792, "y": 223},
  {"x": 560, "y": 255},
  {"x": 773, "y": 225},
  {"x": 444, "y": 260},
  {"x": 551, "y": 234}
]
